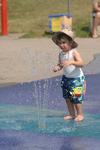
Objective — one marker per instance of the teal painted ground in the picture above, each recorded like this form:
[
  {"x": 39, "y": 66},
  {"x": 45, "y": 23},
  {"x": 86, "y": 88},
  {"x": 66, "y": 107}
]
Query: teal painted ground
[{"x": 30, "y": 119}]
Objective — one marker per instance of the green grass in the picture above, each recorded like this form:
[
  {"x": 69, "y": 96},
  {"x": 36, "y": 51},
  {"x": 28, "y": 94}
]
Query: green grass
[{"x": 31, "y": 16}]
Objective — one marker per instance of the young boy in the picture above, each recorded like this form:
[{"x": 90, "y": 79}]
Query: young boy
[{"x": 73, "y": 80}]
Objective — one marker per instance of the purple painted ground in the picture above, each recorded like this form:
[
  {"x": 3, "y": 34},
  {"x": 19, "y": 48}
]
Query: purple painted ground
[{"x": 27, "y": 94}]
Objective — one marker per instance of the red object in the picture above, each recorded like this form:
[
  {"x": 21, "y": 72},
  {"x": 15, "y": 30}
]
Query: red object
[
  {"x": 4, "y": 17},
  {"x": 77, "y": 94}
]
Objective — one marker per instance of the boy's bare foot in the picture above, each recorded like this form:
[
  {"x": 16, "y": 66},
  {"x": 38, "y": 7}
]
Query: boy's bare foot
[
  {"x": 79, "y": 118},
  {"x": 94, "y": 36},
  {"x": 68, "y": 117}
]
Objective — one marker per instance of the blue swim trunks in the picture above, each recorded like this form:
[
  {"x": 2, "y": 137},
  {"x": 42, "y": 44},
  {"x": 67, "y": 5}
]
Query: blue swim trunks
[{"x": 73, "y": 89}]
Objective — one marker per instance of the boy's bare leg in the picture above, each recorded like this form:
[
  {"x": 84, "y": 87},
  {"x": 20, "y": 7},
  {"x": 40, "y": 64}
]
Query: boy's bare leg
[
  {"x": 71, "y": 110},
  {"x": 94, "y": 30},
  {"x": 79, "y": 110},
  {"x": 96, "y": 22}
]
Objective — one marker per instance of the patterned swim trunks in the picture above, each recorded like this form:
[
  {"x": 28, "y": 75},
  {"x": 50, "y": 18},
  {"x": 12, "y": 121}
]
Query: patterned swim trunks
[{"x": 73, "y": 89}]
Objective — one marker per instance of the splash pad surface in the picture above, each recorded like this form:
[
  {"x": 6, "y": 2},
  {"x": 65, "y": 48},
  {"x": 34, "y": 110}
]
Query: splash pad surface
[
  {"x": 21, "y": 118},
  {"x": 31, "y": 117}
]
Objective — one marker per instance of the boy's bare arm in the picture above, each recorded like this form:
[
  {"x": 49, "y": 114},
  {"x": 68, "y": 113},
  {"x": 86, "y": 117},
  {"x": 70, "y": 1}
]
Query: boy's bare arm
[{"x": 59, "y": 66}]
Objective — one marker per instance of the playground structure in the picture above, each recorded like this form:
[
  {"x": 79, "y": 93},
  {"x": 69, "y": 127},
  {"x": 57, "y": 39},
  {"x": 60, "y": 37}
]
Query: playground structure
[
  {"x": 57, "y": 22},
  {"x": 4, "y": 17}
]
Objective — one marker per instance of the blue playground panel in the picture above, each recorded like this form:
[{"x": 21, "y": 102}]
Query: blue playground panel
[
  {"x": 31, "y": 117},
  {"x": 57, "y": 22}
]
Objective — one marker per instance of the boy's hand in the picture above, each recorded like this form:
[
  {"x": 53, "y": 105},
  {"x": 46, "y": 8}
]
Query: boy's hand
[
  {"x": 56, "y": 68},
  {"x": 66, "y": 63}
]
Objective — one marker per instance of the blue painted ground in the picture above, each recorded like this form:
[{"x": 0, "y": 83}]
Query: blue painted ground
[{"x": 31, "y": 117}]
